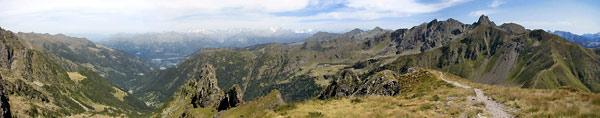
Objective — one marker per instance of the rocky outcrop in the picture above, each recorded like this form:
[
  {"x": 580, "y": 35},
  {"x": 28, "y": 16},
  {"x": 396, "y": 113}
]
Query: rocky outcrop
[
  {"x": 4, "y": 106},
  {"x": 233, "y": 97},
  {"x": 382, "y": 83},
  {"x": 346, "y": 83},
  {"x": 204, "y": 89},
  {"x": 202, "y": 92},
  {"x": 513, "y": 29},
  {"x": 8, "y": 47}
]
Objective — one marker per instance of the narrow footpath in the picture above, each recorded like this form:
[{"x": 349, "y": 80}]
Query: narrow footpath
[{"x": 492, "y": 107}]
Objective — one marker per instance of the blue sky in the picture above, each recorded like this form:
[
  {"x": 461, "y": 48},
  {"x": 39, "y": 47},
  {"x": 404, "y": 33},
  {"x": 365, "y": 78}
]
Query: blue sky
[{"x": 137, "y": 16}]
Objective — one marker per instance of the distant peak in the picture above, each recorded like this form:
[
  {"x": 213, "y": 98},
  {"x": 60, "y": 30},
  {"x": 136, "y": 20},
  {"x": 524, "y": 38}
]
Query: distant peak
[
  {"x": 355, "y": 31},
  {"x": 377, "y": 29},
  {"x": 485, "y": 20}
]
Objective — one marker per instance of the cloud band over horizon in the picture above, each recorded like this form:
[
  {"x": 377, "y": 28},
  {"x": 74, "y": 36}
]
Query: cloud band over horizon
[{"x": 114, "y": 16}]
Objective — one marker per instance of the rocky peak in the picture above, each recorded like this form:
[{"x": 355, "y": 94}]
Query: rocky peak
[
  {"x": 233, "y": 97},
  {"x": 484, "y": 20},
  {"x": 208, "y": 76},
  {"x": 204, "y": 89}
]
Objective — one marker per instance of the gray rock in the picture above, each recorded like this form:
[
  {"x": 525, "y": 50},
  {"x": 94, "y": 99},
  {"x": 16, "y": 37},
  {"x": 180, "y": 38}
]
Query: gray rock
[
  {"x": 233, "y": 97},
  {"x": 382, "y": 83},
  {"x": 346, "y": 83},
  {"x": 343, "y": 84},
  {"x": 204, "y": 89},
  {"x": 484, "y": 20}
]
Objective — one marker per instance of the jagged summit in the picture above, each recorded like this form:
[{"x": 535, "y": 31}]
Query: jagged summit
[{"x": 484, "y": 20}]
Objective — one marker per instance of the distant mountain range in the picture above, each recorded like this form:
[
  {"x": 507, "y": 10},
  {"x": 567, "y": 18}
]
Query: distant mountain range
[
  {"x": 585, "y": 40},
  {"x": 168, "y": 48}
]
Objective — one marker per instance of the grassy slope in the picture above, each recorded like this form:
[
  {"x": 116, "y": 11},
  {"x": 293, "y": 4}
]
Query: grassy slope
[
  {"x": 562, "y": 102},
  {"x": 73, "y": 53},
  {"x": 434, "y": 98},
  {"x": 39, "y": 87}
]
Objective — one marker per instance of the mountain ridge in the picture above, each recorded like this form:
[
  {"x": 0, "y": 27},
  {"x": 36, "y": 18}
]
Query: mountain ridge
[
  {"x": 38, "y": 87},
  {"x": 73, "y": 53}
]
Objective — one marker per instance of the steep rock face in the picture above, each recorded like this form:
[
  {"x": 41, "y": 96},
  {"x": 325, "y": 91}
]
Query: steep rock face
[
  {"x": 4, "y": 105},
  {"x": 8, "y": 48},
  {"x": 347, "y": 83},
  {"x": 233, "y": 97},
  {"x": 344, "y": 83},
  {"x": 205, "y": 92}
]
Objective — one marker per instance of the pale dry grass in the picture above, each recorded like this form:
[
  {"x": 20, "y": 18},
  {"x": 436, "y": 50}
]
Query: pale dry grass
[
  {"x": 119, "y": 94},
  {"x": 525, "y": 102},
  {"x": 546, "y": 102},
  {"x": 75, "y": 76}
]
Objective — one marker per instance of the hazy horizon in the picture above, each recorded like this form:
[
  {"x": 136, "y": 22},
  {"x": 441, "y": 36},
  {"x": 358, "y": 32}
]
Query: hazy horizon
[{"x": 99, "y": 17}]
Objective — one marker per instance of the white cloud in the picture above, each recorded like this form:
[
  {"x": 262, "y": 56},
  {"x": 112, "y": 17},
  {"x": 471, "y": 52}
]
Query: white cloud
[
  {"x": 496, "y": 3},
  {"x": 80, "y": 16},
  {"x": 374, "y": 9}
]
